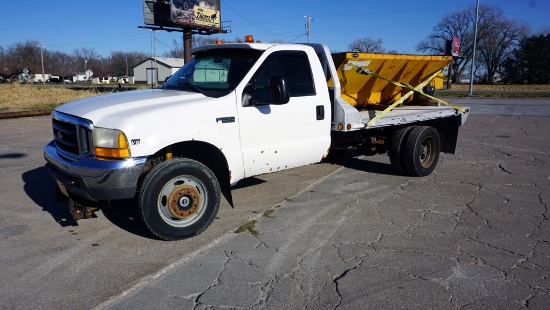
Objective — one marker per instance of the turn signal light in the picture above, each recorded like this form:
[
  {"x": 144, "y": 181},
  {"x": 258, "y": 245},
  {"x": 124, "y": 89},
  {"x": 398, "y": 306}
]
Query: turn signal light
[{"x": 103, "y": 153}]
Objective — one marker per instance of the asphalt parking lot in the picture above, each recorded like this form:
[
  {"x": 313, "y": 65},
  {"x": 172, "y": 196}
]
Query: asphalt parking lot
[{"x": 354, "y": 235}]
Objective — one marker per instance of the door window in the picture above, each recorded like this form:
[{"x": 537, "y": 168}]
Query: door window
[{"x": 293, "y": 67}]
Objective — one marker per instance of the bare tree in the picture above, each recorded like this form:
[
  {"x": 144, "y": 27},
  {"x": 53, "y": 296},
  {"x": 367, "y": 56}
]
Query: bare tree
[
  {"x": 122, "y": 63},
  {"x": 4, "y": 63},
  {"x": 458, "y": 24},
  {"x": 498, "y": 43},
  {"x": 58, "y": 63},
  {"x": 16, "y": 57},
  {"x": 85, "y": 53},
  {"x": 176, "y": 51},
  {"x": 201, "y": 40},
  {"x": 462, "y": 24},
  {"x": 198, "y": 40},
  {"x": 85, "y": 58},
  {"x": 366, "y": 45},
  {"x": 21, "y": 55}
]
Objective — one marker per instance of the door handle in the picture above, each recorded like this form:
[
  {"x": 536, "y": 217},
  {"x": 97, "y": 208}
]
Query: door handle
[{"x": 320, "y": 112}]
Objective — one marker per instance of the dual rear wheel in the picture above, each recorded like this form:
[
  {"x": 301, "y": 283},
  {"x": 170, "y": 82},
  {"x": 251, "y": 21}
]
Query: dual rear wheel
[{"x": 415, "y": 150}]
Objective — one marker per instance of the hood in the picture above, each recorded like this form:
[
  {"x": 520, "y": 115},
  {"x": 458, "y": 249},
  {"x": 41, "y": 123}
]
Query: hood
[{"x": 111, "y": 110}]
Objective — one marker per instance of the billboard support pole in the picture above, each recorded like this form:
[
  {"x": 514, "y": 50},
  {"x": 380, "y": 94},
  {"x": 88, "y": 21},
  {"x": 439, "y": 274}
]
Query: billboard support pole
[
  {"x": 156, "y": 76},
  {"x": 187, "y": 44}
]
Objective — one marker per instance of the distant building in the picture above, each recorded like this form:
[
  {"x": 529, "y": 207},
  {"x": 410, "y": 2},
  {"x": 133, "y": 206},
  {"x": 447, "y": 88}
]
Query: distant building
[{"x": 144, "y": 72}]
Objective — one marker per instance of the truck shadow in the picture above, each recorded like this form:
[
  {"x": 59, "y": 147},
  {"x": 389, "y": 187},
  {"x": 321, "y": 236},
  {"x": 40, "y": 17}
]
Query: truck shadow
[
  {"x": 251, "y": 181},
  {"x": 354, "y": 160},
  {"x": 40, "y": 187},
  {"x": 124, "y": 214}
]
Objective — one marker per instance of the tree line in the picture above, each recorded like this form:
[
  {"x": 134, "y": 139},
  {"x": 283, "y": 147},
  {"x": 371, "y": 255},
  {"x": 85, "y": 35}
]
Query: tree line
[
  {"x": 505, "y": 51},
  {"x": 529, "y": 63},
  {"x": 29, "y": 55}
]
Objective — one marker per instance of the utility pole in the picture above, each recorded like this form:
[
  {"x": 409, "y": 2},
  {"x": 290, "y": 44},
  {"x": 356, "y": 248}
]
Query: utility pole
[
  {"x": 42, "y": 58},
  {"x": 474, "y": 52},
  {"x": 308, "y": 26}
]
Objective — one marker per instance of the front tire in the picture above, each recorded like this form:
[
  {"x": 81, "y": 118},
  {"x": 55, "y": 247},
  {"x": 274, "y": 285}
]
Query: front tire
[
  {"x": 422, "y": 151},
  {"x": 179, "y": 198}
]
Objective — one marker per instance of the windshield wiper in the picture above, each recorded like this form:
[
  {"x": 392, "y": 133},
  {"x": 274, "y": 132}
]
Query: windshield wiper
[{"x": 193, "y": 85}]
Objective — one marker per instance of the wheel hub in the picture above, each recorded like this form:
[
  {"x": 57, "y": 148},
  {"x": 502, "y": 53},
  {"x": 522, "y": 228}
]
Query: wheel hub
[
  {"x": 427, "y": 152},
  {"x": 184, "y": 201}
]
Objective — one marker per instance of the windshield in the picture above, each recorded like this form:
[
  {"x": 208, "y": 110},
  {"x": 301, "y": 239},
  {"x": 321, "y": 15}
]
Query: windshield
[{"x": 214, "y": 73}]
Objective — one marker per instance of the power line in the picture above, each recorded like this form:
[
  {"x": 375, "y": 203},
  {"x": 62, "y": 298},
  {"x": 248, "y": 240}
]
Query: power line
[
  {"x": 253, "y": 24},
  {"x": 303, "y": 34}
]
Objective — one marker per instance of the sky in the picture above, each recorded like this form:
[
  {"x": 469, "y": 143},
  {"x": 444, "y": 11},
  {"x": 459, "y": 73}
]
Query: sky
[{"x": 112, "y": 25}]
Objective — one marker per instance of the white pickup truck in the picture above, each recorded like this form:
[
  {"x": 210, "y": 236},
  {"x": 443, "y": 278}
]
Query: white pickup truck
[{"x": 234, "y": 111}]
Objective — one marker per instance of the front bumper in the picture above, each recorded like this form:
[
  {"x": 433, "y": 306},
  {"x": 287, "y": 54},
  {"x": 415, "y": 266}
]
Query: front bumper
[{"x": 94, "y": 179}]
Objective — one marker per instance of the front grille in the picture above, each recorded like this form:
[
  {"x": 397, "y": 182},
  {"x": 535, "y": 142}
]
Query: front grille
[{"x": 72, "y": 135}]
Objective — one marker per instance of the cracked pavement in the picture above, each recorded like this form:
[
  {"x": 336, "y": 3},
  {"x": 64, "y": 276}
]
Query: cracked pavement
[{"x": 473, "y": 235}]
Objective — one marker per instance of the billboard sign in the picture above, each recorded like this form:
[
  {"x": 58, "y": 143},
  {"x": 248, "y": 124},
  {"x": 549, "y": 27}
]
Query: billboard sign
[
  {"x": 204, "y": 13},
  {"x": 207, "y": 17},
  {"x": 156, "y": 12},
  {"x": 182, "y": 13},
  {"x": 456, "y": 46}
]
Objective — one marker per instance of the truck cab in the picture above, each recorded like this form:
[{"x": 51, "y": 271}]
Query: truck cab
[{"x": 235, "y": 111}]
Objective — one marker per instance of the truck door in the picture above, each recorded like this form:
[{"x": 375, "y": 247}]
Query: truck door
[{"x": 280, "y": 136}]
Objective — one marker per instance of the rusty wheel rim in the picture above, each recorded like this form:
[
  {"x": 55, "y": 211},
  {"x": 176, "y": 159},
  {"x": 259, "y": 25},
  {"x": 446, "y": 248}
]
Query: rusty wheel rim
[
  {"x": 427, "y": 152},
  {"x": 182, "y": 201}
]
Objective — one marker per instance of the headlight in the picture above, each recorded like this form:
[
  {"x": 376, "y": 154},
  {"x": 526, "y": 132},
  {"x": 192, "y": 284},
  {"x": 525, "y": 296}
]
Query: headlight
[{"x": 110, "y": 143}]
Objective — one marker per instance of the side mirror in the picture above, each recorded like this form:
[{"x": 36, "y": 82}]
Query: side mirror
[
  {"x": 278, "y": 89},
  {"x": 274, "y": 93}
]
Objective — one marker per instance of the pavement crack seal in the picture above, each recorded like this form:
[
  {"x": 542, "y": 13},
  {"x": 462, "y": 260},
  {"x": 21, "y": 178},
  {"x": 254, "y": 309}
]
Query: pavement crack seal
[
  {"x": 229, "y": 255},
  {"x": 337, "y": 285},
  {"x": 503, "y": 168},
  {"x": 281, "y": 253},
  {"x": 544, "y": 204}
]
